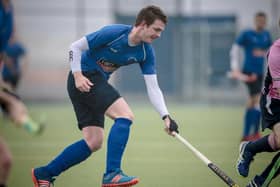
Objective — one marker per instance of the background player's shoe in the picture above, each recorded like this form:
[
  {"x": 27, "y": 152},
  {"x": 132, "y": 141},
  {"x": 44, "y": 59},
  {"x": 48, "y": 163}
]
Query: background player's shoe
[
  {"x": 256, "y": 182},
  {"x": 118, "y": 179},
  {"x": 244, "y": 160},
  {"x": 41, "y": 178}
]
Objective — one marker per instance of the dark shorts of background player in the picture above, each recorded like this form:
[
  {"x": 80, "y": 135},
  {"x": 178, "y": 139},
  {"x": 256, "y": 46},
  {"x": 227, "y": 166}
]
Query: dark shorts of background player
[
  {"x": 91, "y": 106},
  {"x": 4, "y": 104},
  {"x": 255, "y": 87},
  {"x": 270, "y": 110}
]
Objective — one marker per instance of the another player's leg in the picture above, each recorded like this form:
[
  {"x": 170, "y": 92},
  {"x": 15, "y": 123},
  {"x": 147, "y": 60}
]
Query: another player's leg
[
  {"x": 270, "y": 172},
  {"x": 248, "y": 122},
  {"x": 248, "y": 150},
  {"x": 257, "y": 118},
  {"x": 117, "y": 140},
  {"x": 252, "y": 114},
  {"x": 5, "y": 163},
  {"x": 18, "y": 113},
  {"x": 72, "y": 155},
  {"x": 252, "y": 119}
]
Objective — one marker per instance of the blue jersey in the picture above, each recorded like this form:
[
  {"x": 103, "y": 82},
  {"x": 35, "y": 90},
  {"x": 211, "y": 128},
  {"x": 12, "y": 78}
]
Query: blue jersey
[
  {"x": 6, "y": 26},
  {"x": 255, "y": 45},
  {"x": 109, "y": 46}
]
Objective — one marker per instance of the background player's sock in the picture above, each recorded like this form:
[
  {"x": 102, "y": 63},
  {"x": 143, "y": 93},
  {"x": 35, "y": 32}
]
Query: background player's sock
[
  {"x": 70, "y": 156},
  {"x": 116, "y": 144},
  {"x": 256, "y": 113},
  {"x": 260, "y": 145},
  {"x": 31, "y": 126},
  {"x": 248, "y": 121}
]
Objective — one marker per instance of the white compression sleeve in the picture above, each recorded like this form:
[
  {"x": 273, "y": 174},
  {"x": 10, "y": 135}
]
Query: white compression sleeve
[
  {"x": 75, "y": 53},
  {"x": 234, "y": 57},
  {"x": 155, "y": 94}
]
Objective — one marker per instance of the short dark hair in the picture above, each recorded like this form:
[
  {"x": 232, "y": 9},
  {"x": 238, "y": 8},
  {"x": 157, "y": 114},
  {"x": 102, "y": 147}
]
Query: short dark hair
[
  {"x": 149, "y": 14},
  {"x": 260, "y": 14}
]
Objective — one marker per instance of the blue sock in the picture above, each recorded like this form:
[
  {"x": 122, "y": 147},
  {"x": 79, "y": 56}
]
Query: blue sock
[
  {"x": 116, "y": 144},
  {"x": 248, "y": 121},
  {"x": 71, "y": 155},
  {"x": 257, "y": 117}
]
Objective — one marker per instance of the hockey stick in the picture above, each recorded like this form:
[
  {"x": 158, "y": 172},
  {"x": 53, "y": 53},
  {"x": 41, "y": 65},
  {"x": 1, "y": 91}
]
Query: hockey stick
[
  {"x": 272, "y": 173},
  {"x": 210, "y": 164}
]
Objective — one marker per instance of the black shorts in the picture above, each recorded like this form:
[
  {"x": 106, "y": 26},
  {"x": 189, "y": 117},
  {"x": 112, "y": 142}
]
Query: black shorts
[
  {"x": 270, "y": 110},
  {"x": 91, "y": 106},
  {"x": 255, "y": 87}
]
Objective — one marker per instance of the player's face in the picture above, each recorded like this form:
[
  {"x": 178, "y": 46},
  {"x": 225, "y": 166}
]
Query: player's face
[
  {"x": 153, "y": 31},
  {"x": 260, "y": 22}
]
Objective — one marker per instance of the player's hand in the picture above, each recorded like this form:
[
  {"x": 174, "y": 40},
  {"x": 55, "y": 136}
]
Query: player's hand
[
  {"x": 238, "y": 75},
  {"x": 251, "y": 78},
  {"x": 81, "y": 82},
  {"x": 170, "y": 125},
  {"x": 235, "y": 74}
]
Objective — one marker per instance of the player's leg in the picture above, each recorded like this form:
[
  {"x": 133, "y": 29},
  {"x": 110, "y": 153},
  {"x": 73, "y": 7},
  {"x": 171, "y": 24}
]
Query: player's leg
[
  {"x": 120, "y": 112},
  {"x": 255, "y": 128},
  {"x": 270, "y": 172},
  {"x": 5, "y": 163},
  {"x": 72, "y": 155},
  {"x": 91, "y": 121},
  {"x": 248, "y": 119},
  {"x": 270, "y": 117},
  {"x": 256, "y": 93},
  {"x": 252, "y": 113},
  {"x": 248, "y": 150}
]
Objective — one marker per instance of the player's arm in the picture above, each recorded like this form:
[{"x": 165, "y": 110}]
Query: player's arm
[
  {"x": 75, "y": 55},
  {"x": 157, "y": 100},
  {"x": 235, "y": 72},
  {"x": 153, "y": 89}
]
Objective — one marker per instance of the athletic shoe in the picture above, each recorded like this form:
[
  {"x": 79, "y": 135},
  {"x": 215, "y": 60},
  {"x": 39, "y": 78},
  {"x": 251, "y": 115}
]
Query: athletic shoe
[
  {"x": 41, "y": 178},
  {"x": 118, "y": 179},
  {"x": 256, "y": 182},
  {"x": 244, "y": 160}
]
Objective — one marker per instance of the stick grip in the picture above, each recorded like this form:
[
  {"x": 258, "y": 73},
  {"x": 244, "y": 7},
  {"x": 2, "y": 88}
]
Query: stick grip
[{"x": 222, "y": 175}]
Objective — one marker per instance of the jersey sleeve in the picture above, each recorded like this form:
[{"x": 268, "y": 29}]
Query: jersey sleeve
[
  {"x": 148, "y": 64},
  {"x": 241, "y": 39},
  {"x": 105, "y": 35}
]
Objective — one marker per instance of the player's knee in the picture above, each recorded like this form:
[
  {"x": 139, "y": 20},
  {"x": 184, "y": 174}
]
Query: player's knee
[
  {"x": 277, "y": 141},
  {"x": 130, "y": 116},
  {"x": 94, "y": 144},
  {"x": 276, "y": 132},
  {"x": 274, "y": 141},
  {"x": 127, "y": 115}
]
